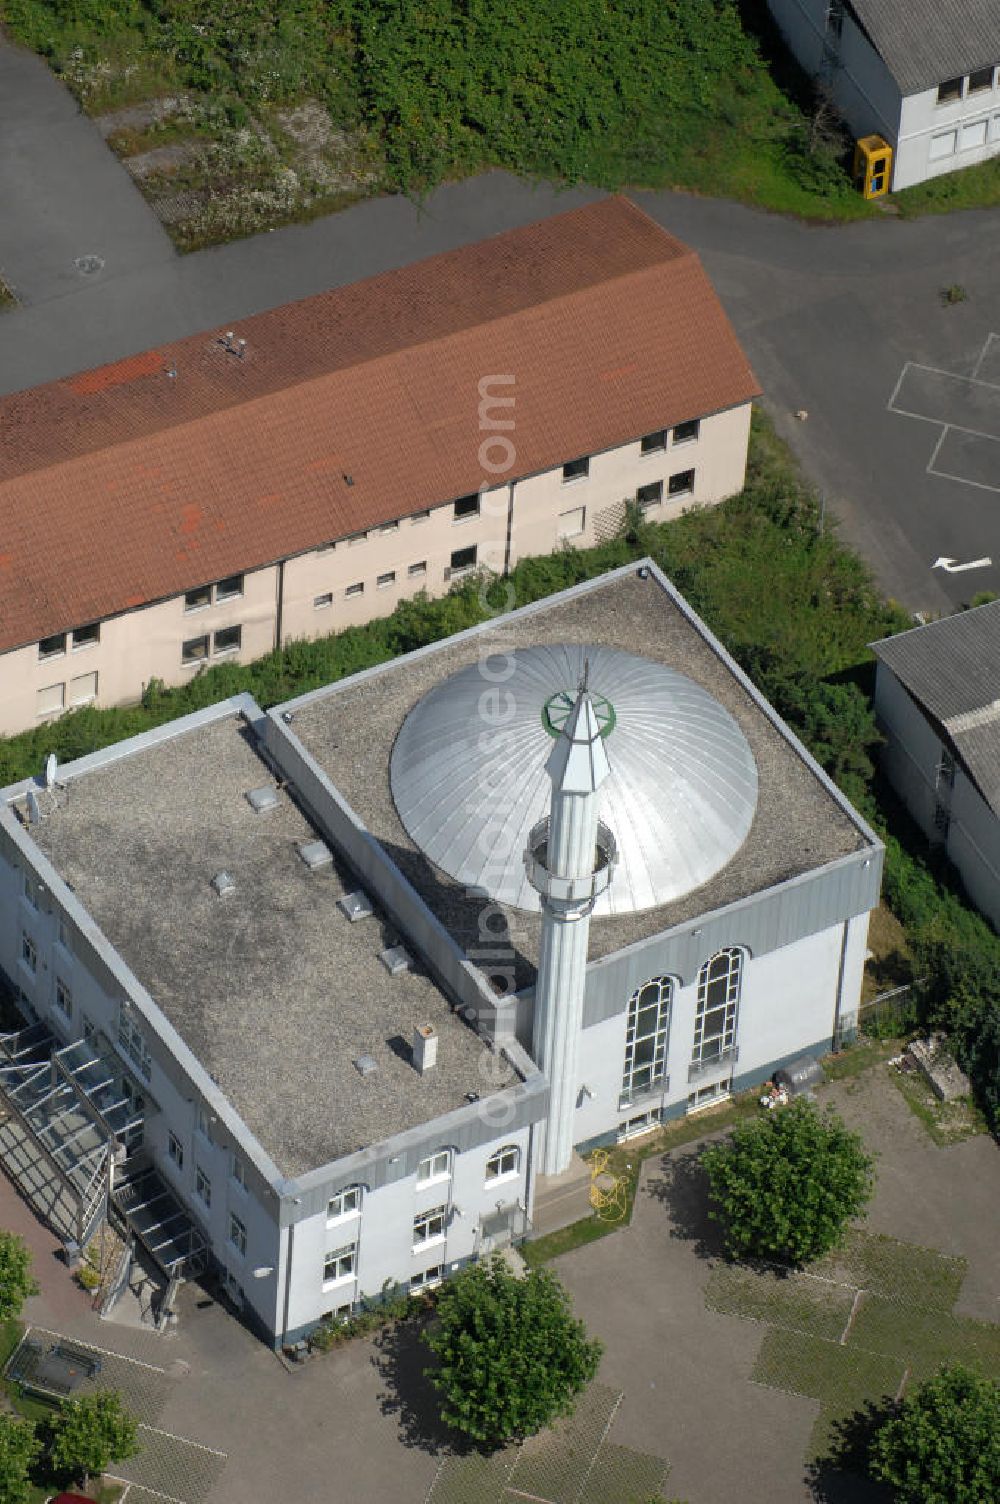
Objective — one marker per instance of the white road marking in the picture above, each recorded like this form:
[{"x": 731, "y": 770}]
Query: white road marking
[{"x": 950, "y": 566}]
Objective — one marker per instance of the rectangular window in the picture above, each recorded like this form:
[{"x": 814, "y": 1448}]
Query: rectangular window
[
  {"x": 502, "y": 1163},
  {"x": 346, "y": 1203},
  {"x": 951, "y": 89},
  {"x": 204, "y": 1122},
  {"x": 29, "y": 952},
  {"x": 64, "y": 936},
  {"x": 981, "y": 79},
  {"x": 467, "y": 506},
  {"x": 51, "y": 700},
  {"x": 84, "y": 637},
  {"x": 356, "y": 538},
  {"x": 635, "y": 1127},
  {"x": 52, "y": 647},
  {"x": 463, "y": 559},
  {"x": 175, "y": 1150},
  {"x": 340, "y": 1264},
  {"x": 133, "y": 1042},
  {"x": 718, "y": 1091},
  {"x": 325, "y": 548},
  {"x": 434, "y": 1167},
  {"x": 421, "y": 516},
  {"x": 428, "y": 1227},
  {"x": 385, "y": 580},
  {"x": 416, "y": 570},
  {"x": 681, "y": 484},
  {"x": 238, "y": 1170},
  {"x": 571, "y": 523},
  {"x": 195, "y": 650},
  {"x": 229, "y": 588},
  {"x": 320, "y": 602},
  {"x": 973, "y": 134},
  {"x": 652, "y": 443},
  {"x": 427, "y": 1278},
  {"x": 576, "y": 469},
  {"x": 651, "y": 495},
  {"x": 227, "y": 640},
  {"x": 197, "y": 600},
  {"x": 357, "y": 589},
  {"x": 686, "y": 433},
  {"x": 203, "y": 1186},
  {"x": 388, "y": 527},
  {"x": 238, "y": 1235},
  {"x": 83, "y": 689},
  {"x": 943, "y": 145},
  {"x": 30, "y": 889},
  {"x": 64, "y": 998}
]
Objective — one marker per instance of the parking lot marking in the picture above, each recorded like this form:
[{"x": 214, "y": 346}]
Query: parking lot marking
[{"x": 106, "y": 1352}]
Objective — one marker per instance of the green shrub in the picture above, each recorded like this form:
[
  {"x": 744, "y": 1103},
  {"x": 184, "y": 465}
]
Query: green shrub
[
  {"x": 943, "y": 1444},
  {"x": 787, "y": 1184}
]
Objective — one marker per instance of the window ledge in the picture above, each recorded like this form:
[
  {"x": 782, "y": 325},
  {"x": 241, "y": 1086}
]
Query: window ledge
[
  {"x": 427, "y": 1243},
  {"x": 339, "y": 1282},
  {"x": 574, "y": 480},
  {"x": 502, "y": 1179},
  {"x": 434, "y": 1180},
  {"x": 343, "y": 1219}
]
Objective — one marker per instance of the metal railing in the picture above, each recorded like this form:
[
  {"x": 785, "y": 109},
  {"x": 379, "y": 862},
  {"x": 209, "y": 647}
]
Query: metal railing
[{"x": 699, "y": 1069}]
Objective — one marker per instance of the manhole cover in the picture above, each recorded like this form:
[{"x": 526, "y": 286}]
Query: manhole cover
[{"x": 87, "y": 265}]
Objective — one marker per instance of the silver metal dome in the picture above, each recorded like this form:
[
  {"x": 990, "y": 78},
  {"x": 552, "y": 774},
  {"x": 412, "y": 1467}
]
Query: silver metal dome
[{"x": 469, "y": 783}]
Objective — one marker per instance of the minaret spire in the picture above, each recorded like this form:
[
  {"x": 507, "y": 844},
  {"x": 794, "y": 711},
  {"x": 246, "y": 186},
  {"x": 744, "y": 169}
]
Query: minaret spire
[{"x": 569, "y": 860}]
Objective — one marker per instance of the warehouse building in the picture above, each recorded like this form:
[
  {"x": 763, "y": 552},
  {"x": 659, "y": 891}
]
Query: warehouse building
[{"x": 329, "y": 999}]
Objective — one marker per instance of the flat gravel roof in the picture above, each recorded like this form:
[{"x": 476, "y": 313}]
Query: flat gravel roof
[
  {"x": 271, "y": 986},
  {"x": 799, "y": 825}
]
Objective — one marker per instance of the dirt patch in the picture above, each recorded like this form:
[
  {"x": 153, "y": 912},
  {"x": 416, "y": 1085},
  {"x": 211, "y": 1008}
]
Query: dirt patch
[
  {"x": 166, "y": 161},
  {"x": 139, "y": 118}
]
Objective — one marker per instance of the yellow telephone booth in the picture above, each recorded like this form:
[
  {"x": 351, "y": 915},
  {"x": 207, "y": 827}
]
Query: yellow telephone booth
[{"x": 872, "y": 166}]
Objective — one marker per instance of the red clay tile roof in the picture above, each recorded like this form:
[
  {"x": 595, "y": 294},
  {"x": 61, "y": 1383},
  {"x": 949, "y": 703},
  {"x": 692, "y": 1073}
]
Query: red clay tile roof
[{"x": 127, "y": 484}]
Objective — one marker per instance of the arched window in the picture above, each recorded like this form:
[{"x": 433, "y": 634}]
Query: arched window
[
  {"x": 505, "y": 1161},
  {"x": 718, "y": 1004},
  {"x": 646, "y": 1032}
]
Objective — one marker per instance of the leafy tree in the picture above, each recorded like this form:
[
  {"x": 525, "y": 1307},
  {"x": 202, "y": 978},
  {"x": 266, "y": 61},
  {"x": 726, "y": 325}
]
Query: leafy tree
[
  {"x": 89, "y": 1433},
  {"x": 511, "y": 1355},
  {"x": 787, "y": 1183},
  {"x": 16, "y": 1280},
  {"x": 943, "y": 1444},
  {"x": 18, "y": 1449}
]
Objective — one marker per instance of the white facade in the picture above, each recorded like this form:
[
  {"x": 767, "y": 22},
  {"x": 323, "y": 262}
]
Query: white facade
[
  {"x": 938, "y": 792},
  {"x": 953, "y": 124}
]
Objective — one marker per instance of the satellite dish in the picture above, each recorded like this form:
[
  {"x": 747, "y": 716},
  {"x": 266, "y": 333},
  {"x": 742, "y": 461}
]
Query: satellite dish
[
  {"x": 51, "y": 763},
  {"x": 34, "y": 813}
]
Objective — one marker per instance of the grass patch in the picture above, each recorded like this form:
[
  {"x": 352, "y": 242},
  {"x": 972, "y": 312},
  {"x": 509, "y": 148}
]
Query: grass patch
[
  {"x": 794, "y": 1300},
  {"x": 900, "y": 1271},
  {"x": 890, "y": 963},
  {"x": 861, "y": 1056},
  {"x": 946, "y": 1122},
  {"x": 7, "y": 298},
  {"x": 970, "y": 188}
]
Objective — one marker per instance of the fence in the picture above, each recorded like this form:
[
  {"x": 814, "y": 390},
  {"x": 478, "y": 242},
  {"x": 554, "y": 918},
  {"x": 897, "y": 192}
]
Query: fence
[{"x": 891, "y": 1013}]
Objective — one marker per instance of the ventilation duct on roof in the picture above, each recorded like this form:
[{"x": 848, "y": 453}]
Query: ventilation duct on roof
[
  {"x": 366, "y": 1065},
  {"x": 315, "y": 854},
  {"x": 356, "y": 905},
  {"x": 396, "y": 959},
  {"x": 262, "y": 798},
  {"x": 425, "y": 1047},
  {"x": 223, "y": 884}
]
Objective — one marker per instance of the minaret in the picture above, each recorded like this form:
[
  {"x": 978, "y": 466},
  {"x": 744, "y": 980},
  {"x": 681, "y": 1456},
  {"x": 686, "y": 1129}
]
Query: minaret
[{"x": 569, "y": 860}]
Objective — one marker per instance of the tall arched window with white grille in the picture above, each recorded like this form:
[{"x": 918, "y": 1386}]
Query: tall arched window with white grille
[
  {"x": 719, "y": 982},
  {"x": 646, "y": 1033}
]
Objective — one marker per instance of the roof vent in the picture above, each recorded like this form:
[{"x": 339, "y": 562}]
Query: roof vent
[
  {"x": 366, "y": 1065},
  {"x": 262, "y": 798},
  {"x": 356, "y": 905},
  {"x": 425, "y": 1047},
  {"x": 315, "y": 854},
  {"x": 223, "y": 884},
  {"x": 396, "y": 959}
]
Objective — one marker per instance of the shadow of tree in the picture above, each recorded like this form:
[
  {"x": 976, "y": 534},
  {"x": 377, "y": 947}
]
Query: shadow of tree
[
  {"x": 681, "y": 1184},
  {"x": 401, "y": 1360},
  {"x": 840, "y": 1476}
]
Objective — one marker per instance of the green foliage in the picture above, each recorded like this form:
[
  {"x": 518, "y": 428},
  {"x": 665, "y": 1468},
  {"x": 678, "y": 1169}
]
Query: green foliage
[
  {"x": 19, "y": 1447},
  {"x": 786, "y": 1184},
  {"x": 89, "y": 1433},
  {"x": 511, "y": 1355},
  {"x": 394, "y": 1304},
  {"x": 943, "y": 1444},
  {"x": 16, "y": 1279}
]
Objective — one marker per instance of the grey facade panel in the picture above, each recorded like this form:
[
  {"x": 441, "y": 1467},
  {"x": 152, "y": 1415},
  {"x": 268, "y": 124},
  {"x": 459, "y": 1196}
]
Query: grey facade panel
[{"x": 804, "y": 906}]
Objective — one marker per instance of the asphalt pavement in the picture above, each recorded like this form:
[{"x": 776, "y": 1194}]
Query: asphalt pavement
[{"x": 834, "y": 318}]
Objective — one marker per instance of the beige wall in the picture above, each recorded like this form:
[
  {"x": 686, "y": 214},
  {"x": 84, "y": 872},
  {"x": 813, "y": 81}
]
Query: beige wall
[{"x": 147, "y": 643}]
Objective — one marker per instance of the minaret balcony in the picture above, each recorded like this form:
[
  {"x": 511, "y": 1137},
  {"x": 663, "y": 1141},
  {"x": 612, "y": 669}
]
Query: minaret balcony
[{"x": 584, "y": 889}]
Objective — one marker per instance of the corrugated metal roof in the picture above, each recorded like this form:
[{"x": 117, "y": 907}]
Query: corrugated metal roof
[
  {"x": 146, "y": 478},
  {"x": 923, "y": 42},
  {"x": 952, "y": 669}
]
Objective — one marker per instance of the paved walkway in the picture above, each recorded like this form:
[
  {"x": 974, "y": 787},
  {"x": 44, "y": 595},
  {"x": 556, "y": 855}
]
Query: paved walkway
[
  {"x": 830, "y": 316},
  {"x": 70, "y": 214}
]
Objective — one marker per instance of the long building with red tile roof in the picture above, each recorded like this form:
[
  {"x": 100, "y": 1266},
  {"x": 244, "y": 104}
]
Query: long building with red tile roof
[{"x": 301, "y": 472}]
